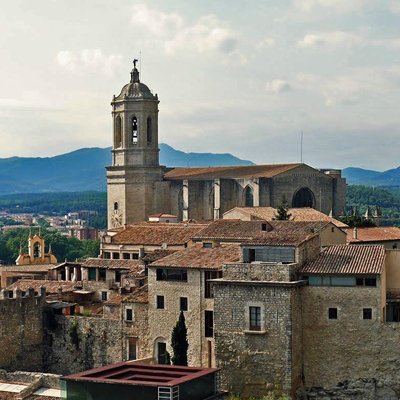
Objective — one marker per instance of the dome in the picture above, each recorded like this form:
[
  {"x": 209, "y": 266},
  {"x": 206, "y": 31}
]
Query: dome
[{"x": 135, "y": 89}]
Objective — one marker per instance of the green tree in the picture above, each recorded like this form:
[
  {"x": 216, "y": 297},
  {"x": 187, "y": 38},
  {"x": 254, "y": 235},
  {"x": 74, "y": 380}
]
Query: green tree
[
  {"x": 179, "y": 342},
  {"x": 282, "y": 212}
]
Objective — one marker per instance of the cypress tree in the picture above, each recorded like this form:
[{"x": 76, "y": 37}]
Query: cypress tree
[
  {"x": 282, "y": 212},
  {"x": 179, "y": 342}
]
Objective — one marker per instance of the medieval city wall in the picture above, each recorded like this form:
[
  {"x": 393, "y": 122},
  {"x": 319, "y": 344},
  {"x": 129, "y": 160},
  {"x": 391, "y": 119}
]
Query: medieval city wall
[{"x": 21, "y": 330}]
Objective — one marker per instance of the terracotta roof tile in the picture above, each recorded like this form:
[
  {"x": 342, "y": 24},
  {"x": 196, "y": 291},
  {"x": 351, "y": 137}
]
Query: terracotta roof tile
[
  {"x": 347, "y": 259},
  {"x": 131, "y": 265},
  {"x": 298, "y": 214},
  {"x": 51, "y": 286},
  {"x": 156, "y": 255},
  {"x": 155, "y": 233},
  {"x": 27, "y": 268},
  {"x": 374, "y": 234},
  {"x": 140, "y": 295},
  {"x": 248, "y": 171},
  {"x": 278, "y": 233},
  {"x": 198, "y": 256}
]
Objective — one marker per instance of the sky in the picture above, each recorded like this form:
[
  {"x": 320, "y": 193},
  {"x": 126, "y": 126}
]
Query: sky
[{"x": 244, "y": 77}]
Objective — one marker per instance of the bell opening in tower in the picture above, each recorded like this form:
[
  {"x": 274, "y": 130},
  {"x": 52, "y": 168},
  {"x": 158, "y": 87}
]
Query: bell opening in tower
[{"x": 134, "y": 130}]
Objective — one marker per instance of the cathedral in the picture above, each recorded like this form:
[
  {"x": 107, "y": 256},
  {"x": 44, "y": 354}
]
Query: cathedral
[{"x": 138, "y": 186}]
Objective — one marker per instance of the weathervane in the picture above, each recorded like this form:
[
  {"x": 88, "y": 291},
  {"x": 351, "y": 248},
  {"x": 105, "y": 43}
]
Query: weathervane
[{"x": 135, "y": 60}]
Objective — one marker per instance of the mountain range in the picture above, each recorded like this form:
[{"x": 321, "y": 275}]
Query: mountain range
[{"x": 83, "y": 169}]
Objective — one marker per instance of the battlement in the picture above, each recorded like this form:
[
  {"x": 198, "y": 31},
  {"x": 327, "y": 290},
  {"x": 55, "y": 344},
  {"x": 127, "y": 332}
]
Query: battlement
[{"x": 10, "y": 295}]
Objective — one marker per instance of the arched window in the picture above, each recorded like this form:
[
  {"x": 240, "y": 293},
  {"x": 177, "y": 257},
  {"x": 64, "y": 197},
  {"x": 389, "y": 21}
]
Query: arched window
[
  {"x": 304, "y": 197},
  {"x": 135, "y": 136},
  {"x": 149, "y": 130},
  {"x": 36, "y": 250},
  {"x": 118, "y": 132},
  {"x": 116, "y": 206},
  {"x": 248, "y": 197}
]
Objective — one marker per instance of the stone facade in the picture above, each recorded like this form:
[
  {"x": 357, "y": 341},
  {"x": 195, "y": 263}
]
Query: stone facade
[
  {"x": 162, "y": 321},
  {"x": 21, "y": 330},
  {"x": 269, "y": 356}
]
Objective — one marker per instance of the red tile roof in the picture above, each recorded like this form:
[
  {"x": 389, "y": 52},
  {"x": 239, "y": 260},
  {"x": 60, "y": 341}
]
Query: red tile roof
[
  {"x": 278, "y": 233},
  {"x": 130, "y": 265},
  {"x": 347, "y": 259},
  {"x": 197, "y": 256},
  {"x": 298, "y": 214},
  {"x": 374, "y": 234},
  {"x": 140, "y": 295},
  {"x": 156, "y": 233},
  {"x": 248, "y": 171}
]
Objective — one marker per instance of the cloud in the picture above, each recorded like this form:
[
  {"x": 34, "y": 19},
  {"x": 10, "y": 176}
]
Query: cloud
[
  {"x": 266, "y": 43},
  {"x": 337, "y": 6},
  {"x": 394, "y": 6},
  {"x": 336, "y": 38},
  {"x": 89, "y": 59},
  {"x": 278, "y": 86},
  {"x": 207, "y": 34},
  {"x": 155, "y": 21}
]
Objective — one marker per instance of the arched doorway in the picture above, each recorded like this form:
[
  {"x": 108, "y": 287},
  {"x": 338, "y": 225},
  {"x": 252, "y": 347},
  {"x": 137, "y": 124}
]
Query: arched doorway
[
  {"x": 304, "y": 197},
  {"x": 248, "y": 197}
]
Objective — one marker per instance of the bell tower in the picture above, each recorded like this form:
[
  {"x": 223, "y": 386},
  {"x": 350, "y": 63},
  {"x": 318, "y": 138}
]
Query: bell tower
[{"x": 135, "y": 169}]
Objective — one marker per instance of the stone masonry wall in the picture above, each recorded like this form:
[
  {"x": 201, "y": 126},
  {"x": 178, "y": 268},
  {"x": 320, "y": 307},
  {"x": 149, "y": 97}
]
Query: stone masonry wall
[
  {"x": 350, "y": 347},
  {"x": 74, "y": 344},
  {"x": 252, "y": 361},
  {"x": 21, "y": 331}
]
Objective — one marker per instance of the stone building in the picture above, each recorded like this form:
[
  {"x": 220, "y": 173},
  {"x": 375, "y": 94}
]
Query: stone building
[
  {"x": 138, "y": 186},
  {"x": 21, "y": 330}
]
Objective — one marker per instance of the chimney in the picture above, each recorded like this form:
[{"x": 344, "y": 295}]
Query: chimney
[{"x": 355, "y": 233}]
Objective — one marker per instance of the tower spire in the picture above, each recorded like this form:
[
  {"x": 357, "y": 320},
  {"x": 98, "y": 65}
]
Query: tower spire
[{"x": 135, "y": 72}]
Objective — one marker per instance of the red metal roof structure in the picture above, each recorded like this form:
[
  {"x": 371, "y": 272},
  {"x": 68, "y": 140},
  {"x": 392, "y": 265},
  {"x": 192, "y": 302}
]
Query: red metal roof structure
[{"x": 132, "y": 373}]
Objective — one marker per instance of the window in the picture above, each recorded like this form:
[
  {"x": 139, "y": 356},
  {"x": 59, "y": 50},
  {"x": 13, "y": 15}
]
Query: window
[
  {"x": 107, "y": 255},
  {"x": 128, "y": 314},
  {"x": 116, "y": 205},
  {"x": 126, "y": 256},
  {"x": 171, "y": 274},
  {"x": 208, "y": 323},
  {"x": 263, "y": 227},
  {"x": 366, "y": 282},
  {"x": 149, "y": 130},
  {"x": 332, "y": 313},
  {"x": 255, "y": 318},
  {"x": 104, "y": 296},
  {"x": 160, "y": 302},
  {"x": 102, "y": 274},
  {"x": 134, "y": 130},
  {"x": 207, "y": 245},
  {"x": 183, "y": 304},
  {"x": 118, "y": 132},
  {"x": 131, "y": 347},
  {"x": 367, "y": 313},
  {"x": 269, "y": 254},
  {"x": 162, "y": 353},
  {"x": 92, "y": 274},
  {"x": 249, "y": 197},
  {"x": 332, "y": 229},
  {"x": 208, "y": 275},
  {"x": 36, "y": 250},
  {"x": 135, "y": 256},
  {"x": 115, "y": 256}
]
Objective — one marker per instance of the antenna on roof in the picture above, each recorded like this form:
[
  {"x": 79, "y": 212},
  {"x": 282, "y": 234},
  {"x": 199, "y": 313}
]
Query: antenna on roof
[
  {"x": 140, "y": 63},
  {"x": 301, "y": 147}
]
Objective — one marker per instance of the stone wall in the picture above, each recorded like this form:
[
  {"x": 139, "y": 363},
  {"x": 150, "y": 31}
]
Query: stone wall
[
  {"x": 350, "y": 347},
  {"x": 74, "y": 344},
  {"x": 21, "y": 330},
  {"x": 254, "y": 361}
]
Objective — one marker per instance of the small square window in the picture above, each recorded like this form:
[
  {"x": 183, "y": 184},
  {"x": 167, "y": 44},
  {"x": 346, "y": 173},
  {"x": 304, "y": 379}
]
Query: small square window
[
  {"x": 332, "y": 313},
  {"x": 160, "y": 302},
  {"x": 183, "y": 304},
  {"x": 367, "y": 313},
  {"x": 129, "y": 314},
  {"x": 104, "y": 296},
  {"x": 370, "y": 282},
  {"x": 360, "y": 281}
]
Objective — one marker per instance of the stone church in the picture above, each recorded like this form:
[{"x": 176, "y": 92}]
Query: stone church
[{"x": 138, "y": 186}]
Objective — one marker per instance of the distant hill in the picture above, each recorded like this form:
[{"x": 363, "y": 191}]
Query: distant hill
[
  {"x": 83, "y": 169},
  {"x": 359, "y": 176}
]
